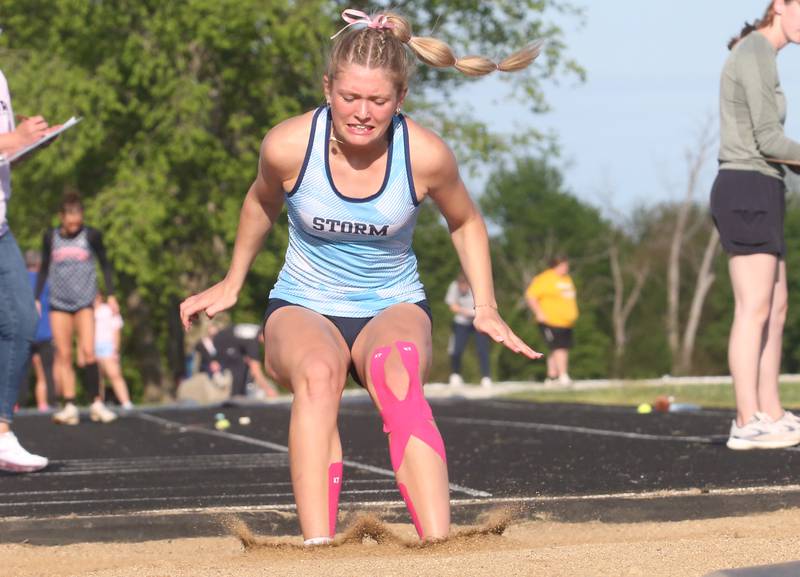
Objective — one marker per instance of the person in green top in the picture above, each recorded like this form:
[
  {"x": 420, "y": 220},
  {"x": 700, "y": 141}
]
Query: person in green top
[{"x": 748, "y": 205}]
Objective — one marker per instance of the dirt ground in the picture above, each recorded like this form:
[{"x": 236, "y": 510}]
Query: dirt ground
[{"x": 530, "y": 548}]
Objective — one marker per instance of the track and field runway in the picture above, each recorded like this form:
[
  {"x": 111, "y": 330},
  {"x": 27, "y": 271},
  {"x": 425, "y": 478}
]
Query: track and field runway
[{"x": 167, "y": 472}]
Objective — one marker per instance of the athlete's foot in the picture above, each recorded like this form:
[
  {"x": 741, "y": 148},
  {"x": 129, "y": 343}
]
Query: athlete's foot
[
  {"x": 67, "y": 416},
  {"x": 15, "y": 459},
  {"x": 99, "y": 413}
]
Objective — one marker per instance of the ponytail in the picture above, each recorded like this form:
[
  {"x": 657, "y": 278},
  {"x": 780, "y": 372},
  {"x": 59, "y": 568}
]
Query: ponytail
[
  {"x": 438, "y": 54},
  {"x": 381, "y": 41}
]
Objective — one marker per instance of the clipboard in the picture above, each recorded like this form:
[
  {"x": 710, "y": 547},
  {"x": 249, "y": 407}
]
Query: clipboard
[{"x": 66, "y": 126}]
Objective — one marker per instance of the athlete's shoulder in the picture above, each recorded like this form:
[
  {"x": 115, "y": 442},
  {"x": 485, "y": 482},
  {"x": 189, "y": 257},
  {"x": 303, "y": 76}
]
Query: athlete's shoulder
[
  {"x": 429, "y": 152},
  {"x": 92, "y": 233},
  {"x": 753, "y": 50},
  {"x": 284, "y": 146},
  {"x": 426, "y": 142}
]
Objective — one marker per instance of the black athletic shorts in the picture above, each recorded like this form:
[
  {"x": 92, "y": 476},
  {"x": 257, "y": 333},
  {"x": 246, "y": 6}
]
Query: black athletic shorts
[
  {"x": 748, "y": 210},
  {"x": 70, "y": 311},
  {"x": 556, "y": 337},
  {"x": 348, "y": 327}
]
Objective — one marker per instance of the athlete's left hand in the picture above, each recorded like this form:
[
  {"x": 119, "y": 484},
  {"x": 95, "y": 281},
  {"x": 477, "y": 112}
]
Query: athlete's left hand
[{"x": 487, "y": 320}]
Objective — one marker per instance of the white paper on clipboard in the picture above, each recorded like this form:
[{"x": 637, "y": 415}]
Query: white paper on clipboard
[{"x": 22, "y": 152}]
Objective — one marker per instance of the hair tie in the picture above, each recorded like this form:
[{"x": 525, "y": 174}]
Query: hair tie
[{"x": 354, "y": 17}]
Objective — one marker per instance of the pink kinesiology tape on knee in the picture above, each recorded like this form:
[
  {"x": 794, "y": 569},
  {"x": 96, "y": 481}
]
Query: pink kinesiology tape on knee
[
  {"x": 407, "y": 417},
  {"x": 334, "y": 488}
]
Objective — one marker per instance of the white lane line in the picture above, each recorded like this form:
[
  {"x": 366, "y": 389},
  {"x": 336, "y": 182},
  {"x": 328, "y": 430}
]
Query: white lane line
[
  {"x": 204, "y": 460},
  {"x": 198, "y": 498},
  {"x": 226, "y": 486},
  {"x": 284, "y": 449},
  {"x": 572, "y": 429}
]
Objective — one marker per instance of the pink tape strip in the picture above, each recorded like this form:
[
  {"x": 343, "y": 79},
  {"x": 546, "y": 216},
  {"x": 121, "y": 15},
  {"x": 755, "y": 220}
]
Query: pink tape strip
[
  {"x": 334, "y": 488},
  {"x": 411, "y": 510},
  {"x": 407, "y": 417},
  {"x": 404, "y": 418}
]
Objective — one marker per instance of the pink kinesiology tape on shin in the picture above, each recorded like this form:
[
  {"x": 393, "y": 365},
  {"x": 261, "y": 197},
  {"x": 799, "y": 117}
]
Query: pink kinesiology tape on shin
[
  {"x": 334, "y": 488},
  {"x": 404, "y": 418}
]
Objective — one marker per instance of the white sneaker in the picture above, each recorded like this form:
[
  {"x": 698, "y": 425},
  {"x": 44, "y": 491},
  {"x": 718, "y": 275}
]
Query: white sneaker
[
  {"x": 67, "y": 416},
  {"x": 456, "y": 380},
  {"x": 99, "y": 413},
  {"x": 761, "y": 432},
  {"x": 16, "y": 459},
  {"x": 564, "y": 380},
  {"x": 790, "y": 419},
  {"x": 486, "y": 382}
]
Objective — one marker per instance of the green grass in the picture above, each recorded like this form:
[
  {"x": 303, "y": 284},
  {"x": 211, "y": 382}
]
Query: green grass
[{"x": 709, "y": 396}]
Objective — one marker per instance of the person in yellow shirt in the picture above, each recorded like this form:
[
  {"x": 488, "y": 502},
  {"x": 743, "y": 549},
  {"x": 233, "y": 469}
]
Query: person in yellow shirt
[{"x": 552, "y": 298}]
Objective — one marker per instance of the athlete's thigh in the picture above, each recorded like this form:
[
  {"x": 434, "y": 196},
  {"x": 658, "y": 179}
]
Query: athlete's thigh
[
  {"x": 295, "y": 335},
  {"x": 753, "y": 278},
  {"x": 110, "y": 367},
  {"x": 84, "y": 323},
  {"x": 780, "y": 292},
  {"x": 62, "y": 327},
  {"x": 403, "y": 322}
]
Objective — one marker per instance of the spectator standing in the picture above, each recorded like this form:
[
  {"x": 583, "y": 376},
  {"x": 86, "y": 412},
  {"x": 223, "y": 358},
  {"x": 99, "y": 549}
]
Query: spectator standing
[
  {"x": 462, "y": 304},
  {"x": 69, "y": 252},
  {"x": 552, "y": 298},
  {"x": 17, "y": 309},
  {"x": 107, "y": 338},
  {"x": 42, "y": 347}
]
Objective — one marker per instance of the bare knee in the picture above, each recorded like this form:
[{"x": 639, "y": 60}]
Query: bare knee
[
  {"x": 318, "y": 381},
  {"x": 779, "y": 311},
  {"x": 86, "y": 356},
  {"x": 757, "y": 312},
  {"x": 63, "y": 355}
]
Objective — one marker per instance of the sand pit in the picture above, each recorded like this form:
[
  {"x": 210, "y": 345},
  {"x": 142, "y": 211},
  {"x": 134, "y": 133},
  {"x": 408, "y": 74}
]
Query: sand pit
[{"x": 369, "y": 548}]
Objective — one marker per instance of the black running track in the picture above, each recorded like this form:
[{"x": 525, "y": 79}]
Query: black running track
[{"x": 166, "y": 472}]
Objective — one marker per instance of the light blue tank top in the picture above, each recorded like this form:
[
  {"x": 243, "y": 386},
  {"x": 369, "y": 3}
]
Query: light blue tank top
[{"x": 351, "y": 257}]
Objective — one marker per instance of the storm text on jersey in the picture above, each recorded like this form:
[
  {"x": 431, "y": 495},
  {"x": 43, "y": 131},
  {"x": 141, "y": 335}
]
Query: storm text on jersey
[{"x": 333, "y": 225}]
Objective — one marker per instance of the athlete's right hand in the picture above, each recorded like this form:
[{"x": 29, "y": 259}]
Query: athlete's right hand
[
  {"x": 31, "y": 130},
  {"x": 211, "y": 301}
]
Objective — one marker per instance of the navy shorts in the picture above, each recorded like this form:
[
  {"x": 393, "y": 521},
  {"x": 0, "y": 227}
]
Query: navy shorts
[
  {"x": 748, "y": 210},
  {"x": 348, "y": 327},
  {"x": 556, "y": 337}
]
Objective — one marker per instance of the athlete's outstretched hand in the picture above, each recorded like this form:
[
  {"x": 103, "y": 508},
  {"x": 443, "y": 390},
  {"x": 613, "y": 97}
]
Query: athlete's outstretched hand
[
  {"x": 211, "y": 301},
  {"x": 487, "y": 320}
]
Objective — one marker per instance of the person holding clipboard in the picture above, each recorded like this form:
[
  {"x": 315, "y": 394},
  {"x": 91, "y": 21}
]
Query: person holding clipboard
[
  {"x": 748, "y": 206},
  {"x": 18, "y": 315}
]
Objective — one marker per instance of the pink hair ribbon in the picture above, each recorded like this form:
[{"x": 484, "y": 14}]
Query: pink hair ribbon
[{"x": 353, "y": 17}]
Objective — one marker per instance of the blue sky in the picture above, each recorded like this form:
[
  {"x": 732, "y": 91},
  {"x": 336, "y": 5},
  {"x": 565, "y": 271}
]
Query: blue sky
[{"x": 652, "y": 80}]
